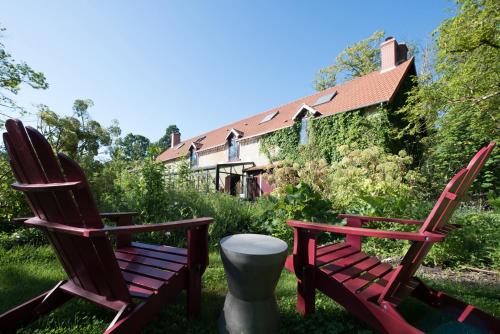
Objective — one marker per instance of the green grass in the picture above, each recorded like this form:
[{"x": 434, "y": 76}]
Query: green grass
[{"x": 26, "y": 271}]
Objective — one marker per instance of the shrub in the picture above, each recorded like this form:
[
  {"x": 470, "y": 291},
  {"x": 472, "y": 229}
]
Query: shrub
[
  {"x": 299, "y": 202},
  {"x": 476, "y": 243}
]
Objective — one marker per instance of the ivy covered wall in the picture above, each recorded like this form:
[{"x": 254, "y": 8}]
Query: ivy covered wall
[{"x": 359, "y": 128}]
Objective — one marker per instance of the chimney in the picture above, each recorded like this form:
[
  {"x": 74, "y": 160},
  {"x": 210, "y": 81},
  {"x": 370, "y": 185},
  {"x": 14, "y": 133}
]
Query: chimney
[
  {"x": 175, "y": 139},
  {"x": 392, "y": 54}
]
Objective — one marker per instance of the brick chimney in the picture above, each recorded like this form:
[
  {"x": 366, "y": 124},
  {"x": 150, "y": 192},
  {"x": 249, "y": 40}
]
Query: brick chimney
[
  {"x": 175, "y": 139},
  {"x": 392, "y": 54}
]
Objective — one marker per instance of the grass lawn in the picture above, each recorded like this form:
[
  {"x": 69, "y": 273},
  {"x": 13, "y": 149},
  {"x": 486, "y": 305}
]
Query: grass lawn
[{"x": 26, "y": 271}]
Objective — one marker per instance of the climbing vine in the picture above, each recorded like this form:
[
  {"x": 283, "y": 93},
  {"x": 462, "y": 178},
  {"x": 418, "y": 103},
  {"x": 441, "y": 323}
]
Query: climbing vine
[{"x": 357, "y": 128}]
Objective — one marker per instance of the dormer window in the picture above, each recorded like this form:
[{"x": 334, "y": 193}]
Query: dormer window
[
  {"x": 233, "y": 148},
  {"x": 193, "y": 157},
  {"x": 303, "y": 115}
]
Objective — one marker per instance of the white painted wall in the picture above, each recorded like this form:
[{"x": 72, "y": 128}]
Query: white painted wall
[{"x": 249, "y": 152}]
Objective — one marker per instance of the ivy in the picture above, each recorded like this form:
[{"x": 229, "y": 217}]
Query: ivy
[
  {"x": 357, "y": 128},
  {"x": 281, "y": 144}
]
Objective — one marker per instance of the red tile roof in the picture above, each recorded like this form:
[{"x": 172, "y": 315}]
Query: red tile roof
[{"x": 370, "y": 89}]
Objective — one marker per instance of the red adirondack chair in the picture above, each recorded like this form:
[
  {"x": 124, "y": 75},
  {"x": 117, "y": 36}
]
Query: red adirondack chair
[
  {"x": 136, "y": 279},
  {"x": 369, "y": 288}
]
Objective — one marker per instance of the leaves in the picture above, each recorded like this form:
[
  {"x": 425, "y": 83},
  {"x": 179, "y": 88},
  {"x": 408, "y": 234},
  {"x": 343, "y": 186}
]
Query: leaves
[
  {"x": 12, "y": 76},
  {"x": 456, "y": 104},
  {"x": 355, "y": 61}
]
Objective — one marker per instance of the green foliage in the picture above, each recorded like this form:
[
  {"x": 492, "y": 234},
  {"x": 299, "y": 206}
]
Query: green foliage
[
  {"x": 457, "y": 99},
  {"x": 132, "y": 147},
  {"x": 357, "y": 60},
  {"x": 78, "y": 136},
  {"x": 476, "y": 243},
  {"x": 281, "y": 144},
  {"x": 350, "y": 128},
  {"x": 12, "y": 76},
  {"x": 297, "y": 202},
  {"x": 12, "y": 203},
  {"x": 375, "y": 183},
  {"x": 358, "y": 128}
]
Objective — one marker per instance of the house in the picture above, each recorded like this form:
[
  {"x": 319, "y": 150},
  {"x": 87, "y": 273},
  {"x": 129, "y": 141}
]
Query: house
[{"x": 230, "y": 159}]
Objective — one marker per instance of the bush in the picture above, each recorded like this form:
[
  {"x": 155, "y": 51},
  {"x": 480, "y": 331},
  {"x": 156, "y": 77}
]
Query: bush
[
  {"x": 299, "y": 202},
  {"x": 476, "y": 243}
]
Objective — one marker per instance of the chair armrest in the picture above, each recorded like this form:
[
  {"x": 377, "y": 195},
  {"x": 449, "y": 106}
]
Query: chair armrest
[
  {"x": 117, "y": 215},
  {"x": 80, "y": 231},
  {"x": 381, "y": 219},
  {"x": 55, "y": 186},
  {"x": 130, "y": 229},
  {"x": 368, "y": 232},
  {"x": 96, "y": 232}
]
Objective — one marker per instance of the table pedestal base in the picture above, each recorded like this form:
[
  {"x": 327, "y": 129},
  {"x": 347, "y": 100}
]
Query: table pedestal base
[{"x": 240, "y": 316}]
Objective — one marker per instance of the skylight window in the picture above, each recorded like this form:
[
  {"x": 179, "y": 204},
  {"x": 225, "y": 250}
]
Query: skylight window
[
  {"x": 269, "y": 117},
  {"x": 325, "y": 98},
  {"x": 200, "y": 139}
]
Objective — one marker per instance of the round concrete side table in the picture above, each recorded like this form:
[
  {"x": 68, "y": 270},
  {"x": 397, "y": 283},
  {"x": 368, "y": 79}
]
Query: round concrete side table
[{"x": 253, "y": 264}]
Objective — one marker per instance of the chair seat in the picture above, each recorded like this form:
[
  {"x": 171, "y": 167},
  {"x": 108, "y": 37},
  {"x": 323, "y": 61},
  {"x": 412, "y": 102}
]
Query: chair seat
[
  {"x": 358, "y": 271},
  {"x": 147, "y": 267}
]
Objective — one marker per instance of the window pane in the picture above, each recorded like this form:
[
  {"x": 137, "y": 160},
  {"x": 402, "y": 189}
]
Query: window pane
[
  {"x": 233, "y": 146},
  {"x": 303, "y": 131},
  {"x": 193, "y": 159}
]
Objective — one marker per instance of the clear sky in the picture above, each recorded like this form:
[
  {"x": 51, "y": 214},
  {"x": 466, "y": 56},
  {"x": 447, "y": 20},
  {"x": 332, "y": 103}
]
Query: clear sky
[{"x": 197, "y": 64}]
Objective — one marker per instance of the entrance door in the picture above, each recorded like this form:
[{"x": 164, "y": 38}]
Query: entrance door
[{"x": 232, "y": 185}]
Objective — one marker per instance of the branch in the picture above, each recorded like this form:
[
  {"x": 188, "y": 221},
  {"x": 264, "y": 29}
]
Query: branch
[{"x": 481, "y": 42}]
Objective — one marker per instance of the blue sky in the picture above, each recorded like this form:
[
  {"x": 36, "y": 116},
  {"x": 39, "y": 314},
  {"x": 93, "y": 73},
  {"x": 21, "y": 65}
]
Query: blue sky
[{"x": 197, "y": 64}]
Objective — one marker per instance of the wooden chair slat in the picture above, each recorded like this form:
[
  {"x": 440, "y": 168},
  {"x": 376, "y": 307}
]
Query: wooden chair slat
[
  {"x": 338, "y": 254},
  {"x": 145, "y": 270},
  {"x": 143, "y": 281},
  {"x": 161, "y": 248},
  {"x": 356, "y": 269},
  {"x": 154, "y": 255},
  {"x": 367, "y": 277},
  {"x": 322, "y": 250},
  {"x": 162, "y": 264},
  {"x": 344, "y": 263}
]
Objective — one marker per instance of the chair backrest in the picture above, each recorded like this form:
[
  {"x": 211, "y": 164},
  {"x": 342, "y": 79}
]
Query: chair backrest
[
  {"x": 400, "y": 286},
  {"x": 89, "y": 262}
]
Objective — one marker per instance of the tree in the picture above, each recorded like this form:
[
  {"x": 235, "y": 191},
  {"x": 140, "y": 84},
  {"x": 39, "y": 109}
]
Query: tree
[
  {"x": 132, "y": 147},
  {"x": 164, "y": 142},
  {"x": 78, "y": 135},
  {"x": 357, "y": 60},
  {"x": 12, "y": 75},
  {"x": 458, "y": 101}
]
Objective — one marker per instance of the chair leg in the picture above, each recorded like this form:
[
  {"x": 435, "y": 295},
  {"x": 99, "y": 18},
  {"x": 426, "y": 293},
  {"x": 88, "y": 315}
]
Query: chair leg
[
  {"x": 33, "y": 308},
  {"x": 193, "y": 293},
  {"x": 463, "y": 312},
  {"x": 306, "y": 295}
]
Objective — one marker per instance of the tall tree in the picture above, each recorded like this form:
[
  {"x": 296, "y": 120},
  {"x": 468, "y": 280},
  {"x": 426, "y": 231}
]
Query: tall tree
[
  {"x": 357, "y": 60},
  {"x": 78, "y": 135},
  {"x": 132, "y": 147},
  {"x": 164, "y": 142},
  {"x": 13, "y": 75},
  {"x": 458, "y": 100}
]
